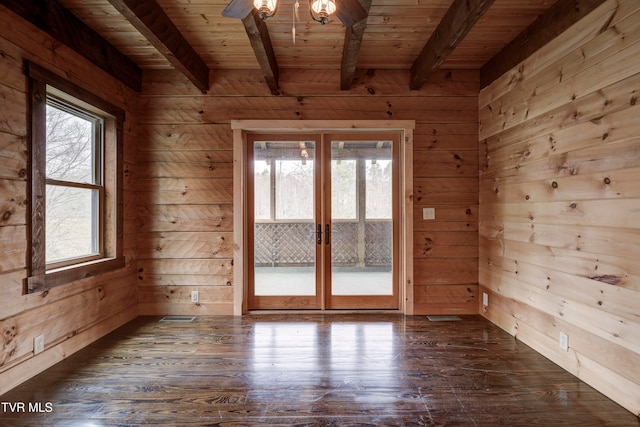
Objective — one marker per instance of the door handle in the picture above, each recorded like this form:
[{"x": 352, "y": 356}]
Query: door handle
[
  {"x": 319, "y": 234},
  {"x": 327, "y": 234}
]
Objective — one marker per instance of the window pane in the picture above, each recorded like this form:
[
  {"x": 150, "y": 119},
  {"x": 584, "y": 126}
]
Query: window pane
[
  {"x": 379, "y": 189},
  {"x": 262, "y": 192},
  {"x": 69, "y": 146},
  {"x": 343, "y": 188},
  {"x": 294, "y": 189},
  {"x": 71, "y": 223}
]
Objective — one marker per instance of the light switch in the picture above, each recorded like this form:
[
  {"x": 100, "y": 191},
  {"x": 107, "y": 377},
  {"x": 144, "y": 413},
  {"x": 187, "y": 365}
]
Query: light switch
[{"x": 428, "y": 213}]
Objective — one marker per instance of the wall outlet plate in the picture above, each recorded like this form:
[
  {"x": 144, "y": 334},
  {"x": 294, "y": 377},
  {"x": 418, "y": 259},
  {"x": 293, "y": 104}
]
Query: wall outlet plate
[
  {"x": 38, "y": 344},
  {"x": 485, "y": 299},
  {"x": 195, "y": 296},
  {"x": 564, "y": 341}
]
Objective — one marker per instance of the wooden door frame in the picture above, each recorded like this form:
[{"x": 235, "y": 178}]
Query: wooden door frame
[
  {"x": 359, "y": 302},
  {"x": 278, "y": 302},
  {"x": 240, "y": 202}
]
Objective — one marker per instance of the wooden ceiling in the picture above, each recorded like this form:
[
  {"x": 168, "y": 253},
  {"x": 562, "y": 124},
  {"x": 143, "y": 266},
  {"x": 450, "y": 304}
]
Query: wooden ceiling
[{"x": 418, "y": 35}]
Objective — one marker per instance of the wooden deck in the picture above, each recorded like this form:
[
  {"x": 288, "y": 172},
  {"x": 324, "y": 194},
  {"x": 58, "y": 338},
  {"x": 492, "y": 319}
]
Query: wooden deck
[{"x": 310, "y": 369}]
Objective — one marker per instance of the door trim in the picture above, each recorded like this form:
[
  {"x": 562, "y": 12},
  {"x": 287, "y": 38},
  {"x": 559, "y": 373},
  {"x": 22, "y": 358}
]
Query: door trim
[
  {"x": 358, "y": 302},
  {"x": 273, "y": 302},
  {"x": 241, "y": 202}
]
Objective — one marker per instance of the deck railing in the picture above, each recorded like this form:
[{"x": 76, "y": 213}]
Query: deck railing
[{"x": 293, "y": 243}]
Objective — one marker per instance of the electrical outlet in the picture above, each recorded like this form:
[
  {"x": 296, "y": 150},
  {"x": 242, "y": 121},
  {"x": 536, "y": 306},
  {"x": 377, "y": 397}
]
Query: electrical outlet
[
  {"x": 195, "y": 297},
  {"x": 485, "y": 299},
  {"x": 564, "y": 341},
  {"x": 38, "y": 344}
]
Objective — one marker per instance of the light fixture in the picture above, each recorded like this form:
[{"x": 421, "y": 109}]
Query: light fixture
[
  {"x": 321, "y": 9},
  {"x": 303, "y": 152},
  {"x": 266, "y": 8}
]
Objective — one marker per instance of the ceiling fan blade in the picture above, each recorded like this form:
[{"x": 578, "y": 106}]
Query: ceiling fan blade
[
  {"x": 238, "y": 9},
  {"x": 350, "y": 12}
]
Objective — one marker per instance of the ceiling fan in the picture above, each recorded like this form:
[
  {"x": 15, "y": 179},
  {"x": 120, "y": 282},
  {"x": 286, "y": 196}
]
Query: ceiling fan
[{"x": 350, "y": 12}]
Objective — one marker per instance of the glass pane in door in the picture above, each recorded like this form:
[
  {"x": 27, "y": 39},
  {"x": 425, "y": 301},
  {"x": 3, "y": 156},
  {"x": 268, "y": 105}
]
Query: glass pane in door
[
  {"x": 361, "y": 218},
  {"x": 284, "y": 218}
]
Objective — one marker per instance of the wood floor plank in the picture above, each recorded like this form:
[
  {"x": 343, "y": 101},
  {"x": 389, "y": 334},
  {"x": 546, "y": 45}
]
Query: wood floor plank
[{"x": 311, "y": 369}]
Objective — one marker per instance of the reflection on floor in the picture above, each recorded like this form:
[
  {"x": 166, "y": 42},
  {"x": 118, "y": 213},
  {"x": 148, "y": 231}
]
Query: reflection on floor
[{"x": 311, "y": 370}]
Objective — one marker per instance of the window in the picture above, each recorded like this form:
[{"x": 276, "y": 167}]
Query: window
[
  {"x": 344, "y": 190},
  {"x": 379, "y": 181},
  {"x": 76, "y": 165},
  {"x": 74, "y": 183},
  {"x": 283, "y": 189},
  {"x": 284, "y": 180}
]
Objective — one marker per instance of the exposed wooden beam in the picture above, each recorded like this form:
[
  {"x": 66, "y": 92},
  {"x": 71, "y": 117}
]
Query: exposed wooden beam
[
  {"x": 154, "y": 24},
  {"x": 456, "y": 23},
  {"x": 238, "y": 9},
  {"x": 350, "y": 12},
  {"x": 261, "y": 44},
  {"x": 52, "y": 18},
  {"x": 351, "y": 50},
  {"x": 549, "y": 25}
]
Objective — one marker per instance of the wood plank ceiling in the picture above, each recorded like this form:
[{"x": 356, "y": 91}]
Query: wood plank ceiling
[{"x": 417, "y": 35}]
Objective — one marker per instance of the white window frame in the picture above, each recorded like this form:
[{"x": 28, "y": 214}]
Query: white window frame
[{"x": 70, "y": 106}]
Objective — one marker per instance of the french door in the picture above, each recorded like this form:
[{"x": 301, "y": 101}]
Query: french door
[{"x": 323, "y": 212}]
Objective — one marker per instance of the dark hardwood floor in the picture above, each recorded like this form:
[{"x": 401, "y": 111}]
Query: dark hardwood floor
[{"x": 310, "y": 370}]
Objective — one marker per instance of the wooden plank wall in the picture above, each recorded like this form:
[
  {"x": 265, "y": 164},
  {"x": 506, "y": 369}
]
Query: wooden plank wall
[
  {"x": 71, "y": 316},
  {"x": 185, "y": 176},
  {"x": 560, "y": 200}
]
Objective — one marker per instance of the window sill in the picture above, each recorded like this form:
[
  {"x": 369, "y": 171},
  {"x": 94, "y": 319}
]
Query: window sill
[{"x": 63, "y": 275}]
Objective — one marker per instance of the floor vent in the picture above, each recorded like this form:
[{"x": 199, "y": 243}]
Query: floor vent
[
  {"x": 178, "y": 319},
  {"x": 443, "y": 318}
]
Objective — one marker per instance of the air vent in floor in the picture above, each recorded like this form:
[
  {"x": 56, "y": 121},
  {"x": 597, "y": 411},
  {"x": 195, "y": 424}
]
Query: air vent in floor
[
  {"x": 443, "y": 318},
  {"x": 178, "y": 319}
]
